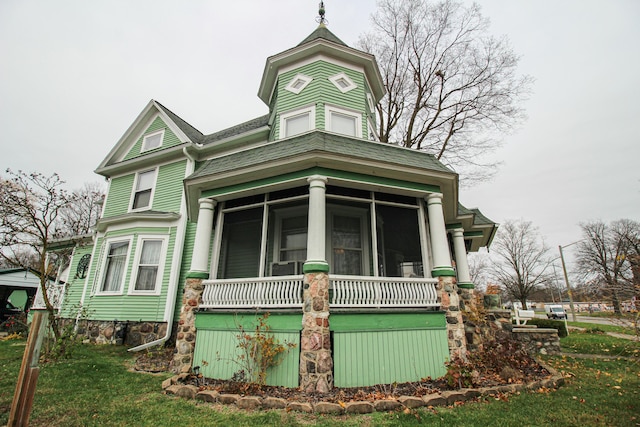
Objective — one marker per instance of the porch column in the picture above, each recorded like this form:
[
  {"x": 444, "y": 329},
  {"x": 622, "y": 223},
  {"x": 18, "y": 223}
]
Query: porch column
[
  {"x": 462, "y": 265},
  {"x": 316, "y": 362},
  {"x": 439, "y": 243},
  {"x": 201, "y": 248}
]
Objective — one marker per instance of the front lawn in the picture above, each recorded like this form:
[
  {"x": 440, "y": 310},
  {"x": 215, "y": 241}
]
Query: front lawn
[{"x": 96, "y": 388}]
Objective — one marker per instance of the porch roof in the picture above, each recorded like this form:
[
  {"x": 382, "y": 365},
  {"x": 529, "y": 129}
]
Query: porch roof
[{"x": 319, "y": 141}]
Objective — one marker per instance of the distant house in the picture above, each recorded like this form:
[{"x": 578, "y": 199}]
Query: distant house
[{"x": 347, "y": 242}]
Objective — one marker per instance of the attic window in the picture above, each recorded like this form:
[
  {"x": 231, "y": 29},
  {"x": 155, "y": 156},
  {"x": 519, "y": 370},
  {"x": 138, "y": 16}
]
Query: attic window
[
  {"x": 298, "y": 83},
  {"x": 343, "y": 82},
  {"x": 152, "y": 140}
]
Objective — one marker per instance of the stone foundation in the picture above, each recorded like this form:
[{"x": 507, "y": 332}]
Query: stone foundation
[
  {"x": 316, "y": 362},
  {"x": 186, "y": 329},
  {"x": 131, "y": 334}
]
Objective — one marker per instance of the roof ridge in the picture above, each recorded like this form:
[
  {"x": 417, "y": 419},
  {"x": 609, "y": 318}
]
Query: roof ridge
[{"x": 194, "y": 134}]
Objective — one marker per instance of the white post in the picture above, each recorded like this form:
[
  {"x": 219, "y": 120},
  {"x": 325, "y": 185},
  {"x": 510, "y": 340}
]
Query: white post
[
  {"x": 462, "y": 265},
  {"x": 438, "y": 232},
  {"x": 316, "y": 229},
  {"x": 201, "y": 248}
]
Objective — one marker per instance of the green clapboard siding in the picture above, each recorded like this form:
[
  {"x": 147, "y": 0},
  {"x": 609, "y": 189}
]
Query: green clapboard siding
[
  {"x": 169, "y": 140},
  {"x": 119, "y": 195},
  {"x": 75, "y": 285},
  {"x": 368, "y": 355},
  {"x": 168, "y": 193},
  {"x": 217, "y": 350}
]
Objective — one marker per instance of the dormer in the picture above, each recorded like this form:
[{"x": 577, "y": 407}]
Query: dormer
[{"x": 322, "y": 84}]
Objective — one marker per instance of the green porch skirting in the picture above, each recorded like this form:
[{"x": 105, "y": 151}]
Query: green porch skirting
[
  {"x": 371, "y": 349},
  {"x": 217, "y": 351}
]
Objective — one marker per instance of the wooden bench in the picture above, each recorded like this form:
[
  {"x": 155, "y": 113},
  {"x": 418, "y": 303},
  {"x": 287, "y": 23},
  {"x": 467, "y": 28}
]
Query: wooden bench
[{"x": 521, "y": 316}]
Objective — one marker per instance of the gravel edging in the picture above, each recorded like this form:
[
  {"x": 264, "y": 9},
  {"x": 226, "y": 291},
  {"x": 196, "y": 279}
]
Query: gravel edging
[{"x": 176, "y": 386}]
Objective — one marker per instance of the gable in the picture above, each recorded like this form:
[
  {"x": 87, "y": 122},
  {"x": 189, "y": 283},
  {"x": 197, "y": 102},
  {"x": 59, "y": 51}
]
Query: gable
[{"x": 169, "y": 139}]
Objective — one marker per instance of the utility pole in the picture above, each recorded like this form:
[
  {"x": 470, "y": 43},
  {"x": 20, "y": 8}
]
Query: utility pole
[{"x": 566, "y": 280}]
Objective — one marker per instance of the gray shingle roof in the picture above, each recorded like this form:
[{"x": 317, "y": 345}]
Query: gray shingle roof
[
  {"x": 321, "y": 141},
  {"x": 192, "y": 133},
  {"x": 237, "y": 129},
  {"x": 322, "y": 32},
  {"x": 479, "y": 218}
]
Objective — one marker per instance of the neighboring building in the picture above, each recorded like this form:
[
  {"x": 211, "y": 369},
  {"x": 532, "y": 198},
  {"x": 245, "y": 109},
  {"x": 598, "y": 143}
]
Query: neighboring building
[{"x": 301, "y": 213}]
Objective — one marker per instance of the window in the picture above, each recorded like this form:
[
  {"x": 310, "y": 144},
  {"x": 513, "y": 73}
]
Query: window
[
  {"x": 297, "y": 122},
  {"x": 149, "y": 265},
  {"x": 298, "y": 83},
  {"x": 114, "y": 267},
  {"x": 143, "y": 189},
  {"x": 343, "y": 82},
  {"x": 152, "y": 140},
  {"x": 343, "y": 122},
  {"x": 348, "y": 240},
  {"x": 372, "y": 106}
]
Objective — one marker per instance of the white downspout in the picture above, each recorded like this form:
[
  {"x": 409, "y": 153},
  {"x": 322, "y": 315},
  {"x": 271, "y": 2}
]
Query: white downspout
[{"x": 172, "y": 296}]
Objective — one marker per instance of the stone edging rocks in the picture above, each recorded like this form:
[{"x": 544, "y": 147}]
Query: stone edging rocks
[{"x": 176, "y": 386}]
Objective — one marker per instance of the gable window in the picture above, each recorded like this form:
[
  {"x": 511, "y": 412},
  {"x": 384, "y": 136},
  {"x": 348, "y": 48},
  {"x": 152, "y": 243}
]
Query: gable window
[
  {"x": 297, "y": 122},
  {"x": 152, "y": 140},
  {"x": 143, "y": 189},
  {"x": 114, "y": 267},
  {"x": 343, "y": 122},
  {"x": 148, "y": 265},
  {"x": 298, "y": 83},
  {"x": 343, "y": 82}
]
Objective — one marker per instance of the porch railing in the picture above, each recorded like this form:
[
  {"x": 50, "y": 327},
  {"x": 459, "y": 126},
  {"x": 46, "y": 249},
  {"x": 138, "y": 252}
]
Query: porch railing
[
  {"x": 264, "y": 292},
  {"x": 379, "y": 292},
  {"x": 346, "y": 292}
]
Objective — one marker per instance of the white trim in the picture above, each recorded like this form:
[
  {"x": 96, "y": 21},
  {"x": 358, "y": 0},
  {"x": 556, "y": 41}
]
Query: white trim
[
  {"x": 146, "y": 137},
  {"x": 371, "y": 130},
  {"x": 372, "y": 105},
  {"x": 310, "y": 110},
  {"x": 329, "y": 109},
  {"x": 304, "y": 82},
  {"x": 161, "y": 264},
  {"x": 134, "y": 190},
  {"x": 343, "y": 82},
  {"x": 107, "y": 246}
]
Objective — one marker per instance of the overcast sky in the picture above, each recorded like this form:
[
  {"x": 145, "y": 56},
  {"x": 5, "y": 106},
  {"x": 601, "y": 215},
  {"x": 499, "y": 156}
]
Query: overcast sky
[{"x": 75, "y": 74}]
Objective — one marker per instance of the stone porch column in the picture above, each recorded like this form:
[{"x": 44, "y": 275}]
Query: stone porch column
[
  {"x": 202, "y": 245},
  {"x": 316, "y": 362},
  {"x": 439, "y": 243}
]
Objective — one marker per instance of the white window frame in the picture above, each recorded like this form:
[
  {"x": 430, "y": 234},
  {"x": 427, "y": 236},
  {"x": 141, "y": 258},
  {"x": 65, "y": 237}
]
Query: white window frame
[
  {"x": 298, "y": 78},
  {"x": 372, "y": 105},
  {"x": 342, "y": 76},
  {"x": 103, "y": 265},
  {"x": 161, "y": 264},
  {"x": 134, "y": 190},
  {"x": 329, "y": 109},
  {"x": 280, "y": 215},
  {"x": 310, "y": 110},
  {"x": 146, "y": 137}
]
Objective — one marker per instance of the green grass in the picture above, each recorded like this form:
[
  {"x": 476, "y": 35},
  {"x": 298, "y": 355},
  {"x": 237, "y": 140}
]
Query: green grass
[
  {"x": 605, "y": 328},
  {"x": 95, "y": 388},
  {"x": 592, "y": 343}
]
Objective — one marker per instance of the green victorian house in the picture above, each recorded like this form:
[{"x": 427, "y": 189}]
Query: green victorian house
[{"x": 347, "y": 243}]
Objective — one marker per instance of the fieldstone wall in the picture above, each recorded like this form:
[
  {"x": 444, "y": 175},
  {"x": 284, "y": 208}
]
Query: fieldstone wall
[
  {"x": 316, "y": 362},
  {"x": 126, "y": 333},
  {"x": 186, "y": 329},
  {"x": 450, "y": 303},
  {"x": 538, "y": 340}
]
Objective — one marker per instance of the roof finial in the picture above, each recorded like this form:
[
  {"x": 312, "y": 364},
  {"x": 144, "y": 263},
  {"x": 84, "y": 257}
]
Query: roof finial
[{"x": 321, "y": 18}]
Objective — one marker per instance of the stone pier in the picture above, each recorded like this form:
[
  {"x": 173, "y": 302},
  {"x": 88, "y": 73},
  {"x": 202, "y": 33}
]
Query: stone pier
[
  {"x": 450, "y": 303},
  {"x": 186, "y": 330},
  {"x": 316, "y": 362}
]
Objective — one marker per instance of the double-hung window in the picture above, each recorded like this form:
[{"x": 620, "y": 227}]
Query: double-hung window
[
  {"x": 342, "y": 121},
  {"x": 297, "y": 122},
  {"x": 115, "y": 266},
  {"x": 148, "y": 269},
  {"x": 143, "y": 189}
]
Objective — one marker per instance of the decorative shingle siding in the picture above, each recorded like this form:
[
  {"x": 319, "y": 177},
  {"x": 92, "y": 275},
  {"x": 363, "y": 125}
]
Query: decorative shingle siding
[
  {"x": 321, "y": 91},
  {"x": 170, "y": 139}
]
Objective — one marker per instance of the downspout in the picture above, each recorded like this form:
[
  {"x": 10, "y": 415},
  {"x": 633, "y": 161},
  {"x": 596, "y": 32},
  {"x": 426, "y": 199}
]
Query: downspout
[{"x": 172, "y": 296}]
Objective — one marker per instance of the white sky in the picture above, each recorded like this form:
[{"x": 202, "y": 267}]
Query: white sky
[{"x": 75, "y": 74}]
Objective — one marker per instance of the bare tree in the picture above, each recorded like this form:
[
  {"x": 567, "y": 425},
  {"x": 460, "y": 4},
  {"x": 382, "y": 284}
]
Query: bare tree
[
  {"x": 480, "y": 269},
  {"x": 607, "y": 257},
  {"x": 451, "y": 87},
  {"x": 30, "y": 207},
  {"x": 83, "y": 210},
  {"x": 522, "y": 261}
]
